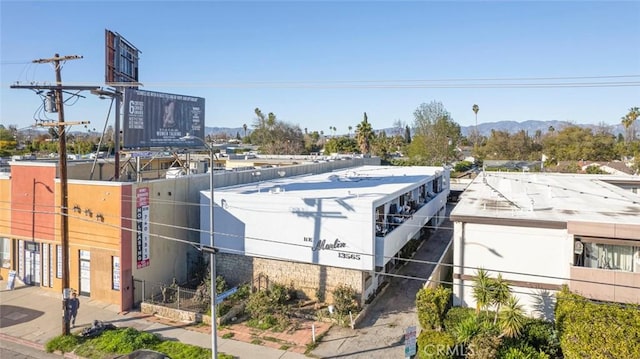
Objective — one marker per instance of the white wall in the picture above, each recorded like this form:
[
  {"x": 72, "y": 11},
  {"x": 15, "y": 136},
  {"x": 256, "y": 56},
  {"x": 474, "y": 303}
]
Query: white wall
[
  {"x": 518, "y": 253},
  {"x": 274, "y": 225}
]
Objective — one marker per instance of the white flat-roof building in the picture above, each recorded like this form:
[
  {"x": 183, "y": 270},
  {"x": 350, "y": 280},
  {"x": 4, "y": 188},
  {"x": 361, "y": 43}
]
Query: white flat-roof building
[
  {"x": 541, "y": 231},
  {"x": 319, "y": 231}
]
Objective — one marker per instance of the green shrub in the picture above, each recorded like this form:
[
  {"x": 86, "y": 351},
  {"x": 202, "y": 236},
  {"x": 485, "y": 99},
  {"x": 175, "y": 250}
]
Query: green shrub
[
  {"x": 542, "y": 336},
  {"x": 484, "y": 345},
  {"x": 221, "y": 284},
  {"x": 177, "y": 350},
  {"x": 456, "y": 315},
  {"x": 521, "y": 352},
  {"x": 223, "y": 308},
  {"x": 243, "y": 292},
  {"x": 63, "y": 343},
  {"x": 344, "y": 299},
  {"x": 463, "y": 166},
  {"x": 264, "y": 322},
  {"x": 126, "y": 340},
  {"x": 259, "y": 305},
  {"x": 466, "y": 330},
  {"x": 121, "y": 341},
  {"x": 281, "y": 294},
  {"x": 432, "y": 305},
  {"x": 435, "y": 345},
  {"x": 596, "y": 330}
]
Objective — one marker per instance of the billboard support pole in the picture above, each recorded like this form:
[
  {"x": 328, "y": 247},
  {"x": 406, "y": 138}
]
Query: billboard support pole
[{"x": 116, "y": 176}]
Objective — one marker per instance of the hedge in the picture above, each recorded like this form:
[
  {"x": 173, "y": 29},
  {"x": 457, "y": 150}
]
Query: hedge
[{"x": 590, "y": 330}]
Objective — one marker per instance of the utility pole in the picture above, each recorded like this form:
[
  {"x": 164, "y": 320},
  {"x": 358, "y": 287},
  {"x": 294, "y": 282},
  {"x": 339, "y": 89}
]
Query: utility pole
[{"x": 62, "y": 154}]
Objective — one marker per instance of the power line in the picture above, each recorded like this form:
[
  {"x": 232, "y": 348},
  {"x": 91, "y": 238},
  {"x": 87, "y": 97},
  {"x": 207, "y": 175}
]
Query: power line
[
  {"x": 409, "y": 84},
  {"x": 345, "y": 251}
]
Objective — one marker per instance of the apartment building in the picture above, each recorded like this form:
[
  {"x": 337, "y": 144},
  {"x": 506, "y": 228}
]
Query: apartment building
[
  {"x": 543, "y": 230},
  {"x": 318, "y": 231}
]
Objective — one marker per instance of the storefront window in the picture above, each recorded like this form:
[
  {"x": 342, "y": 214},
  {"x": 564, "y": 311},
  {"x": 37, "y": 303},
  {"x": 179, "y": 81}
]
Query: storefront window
[{"x": 5, "y": 252}]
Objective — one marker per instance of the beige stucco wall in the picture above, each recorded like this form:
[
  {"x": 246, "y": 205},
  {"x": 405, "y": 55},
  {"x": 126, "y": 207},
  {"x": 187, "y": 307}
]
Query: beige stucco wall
[{"x": 174, "y": 216}]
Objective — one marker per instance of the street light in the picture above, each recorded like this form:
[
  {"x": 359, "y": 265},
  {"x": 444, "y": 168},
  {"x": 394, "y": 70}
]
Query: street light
[{"x": 212, "y": 250}]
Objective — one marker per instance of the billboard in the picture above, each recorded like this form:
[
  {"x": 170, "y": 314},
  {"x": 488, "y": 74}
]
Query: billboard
[
  {"x": 156, "y": 119},
  {"x": 121, "y": 60}
]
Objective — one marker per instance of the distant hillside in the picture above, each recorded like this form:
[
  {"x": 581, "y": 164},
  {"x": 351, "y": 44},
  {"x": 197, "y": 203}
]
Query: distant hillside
[
  {"x": 530, "y": 126},
  {"x": 231, "y": 132}
]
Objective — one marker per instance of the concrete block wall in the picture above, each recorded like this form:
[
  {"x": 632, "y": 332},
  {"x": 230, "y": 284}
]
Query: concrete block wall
[
  {"x": 306, "y": 278},
  {"x": 236, "y": 269}
]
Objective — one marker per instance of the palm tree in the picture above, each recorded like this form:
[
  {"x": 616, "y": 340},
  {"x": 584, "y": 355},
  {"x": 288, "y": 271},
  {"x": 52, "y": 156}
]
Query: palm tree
[
  {"x": 482, "y": 289},
  {"x": 628, "y": 121},
  {"x": 499, "y": 294},
  {"x": 350, "y": 128},
  {"x": 511, "y": 318},
  {"x": 364, "y": 135},
  {"x": 475, "y": 109},
  {"x": 245, "y": 129}
]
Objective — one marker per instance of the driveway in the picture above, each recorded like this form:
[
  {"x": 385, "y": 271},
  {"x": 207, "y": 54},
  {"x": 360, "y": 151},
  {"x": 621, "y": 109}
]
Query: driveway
[{"x": 381, "y": 333}]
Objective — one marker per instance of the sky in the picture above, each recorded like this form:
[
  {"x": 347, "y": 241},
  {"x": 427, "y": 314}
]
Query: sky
[{"x": 324, "y": 63}]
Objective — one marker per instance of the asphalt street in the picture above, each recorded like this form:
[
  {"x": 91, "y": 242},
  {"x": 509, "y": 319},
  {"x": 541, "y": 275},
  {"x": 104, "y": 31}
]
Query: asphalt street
[{"x": 12, "y": 350}]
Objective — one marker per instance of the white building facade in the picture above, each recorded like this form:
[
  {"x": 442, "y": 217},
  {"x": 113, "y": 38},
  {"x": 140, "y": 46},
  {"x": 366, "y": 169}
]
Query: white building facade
[
  {"x": 316, "y": 232},
  {"x": 542, "y": 231}
]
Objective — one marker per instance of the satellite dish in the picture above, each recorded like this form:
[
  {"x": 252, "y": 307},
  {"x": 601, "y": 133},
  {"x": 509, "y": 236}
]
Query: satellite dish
[{"x": 578, "y": 247}]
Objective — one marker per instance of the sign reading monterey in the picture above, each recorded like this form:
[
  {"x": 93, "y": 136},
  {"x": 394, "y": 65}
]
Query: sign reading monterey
[{"x": 157, "y": 119}]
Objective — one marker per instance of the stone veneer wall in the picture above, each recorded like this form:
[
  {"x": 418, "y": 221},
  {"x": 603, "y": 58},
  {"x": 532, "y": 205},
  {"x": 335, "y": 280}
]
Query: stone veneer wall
[{"x": 306, "y": 278}]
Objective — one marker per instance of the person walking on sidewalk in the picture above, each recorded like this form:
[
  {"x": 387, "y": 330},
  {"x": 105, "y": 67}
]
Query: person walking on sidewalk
[{"x": 72, "y": 306}]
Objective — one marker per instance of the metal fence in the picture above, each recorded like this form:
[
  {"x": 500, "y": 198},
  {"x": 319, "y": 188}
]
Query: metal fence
[{"x": 171, "y": 296}]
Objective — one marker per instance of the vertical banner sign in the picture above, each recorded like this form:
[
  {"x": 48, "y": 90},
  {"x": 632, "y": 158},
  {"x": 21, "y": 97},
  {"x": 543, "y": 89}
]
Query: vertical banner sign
[
  {"x": 410, "y": 342},
  {"x": 142, "y": 236}
]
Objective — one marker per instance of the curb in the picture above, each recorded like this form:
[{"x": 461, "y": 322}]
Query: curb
[
  {"x": 21, "y": 341},
  {"x": 34, "y": 345}
]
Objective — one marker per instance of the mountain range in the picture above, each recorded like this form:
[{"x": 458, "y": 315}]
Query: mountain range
[{"x": 484, "y": 128}]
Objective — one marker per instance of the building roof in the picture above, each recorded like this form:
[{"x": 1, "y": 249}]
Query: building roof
[
  {"x": 549, "y": 197},
  {"x": 368, "y": 183}
]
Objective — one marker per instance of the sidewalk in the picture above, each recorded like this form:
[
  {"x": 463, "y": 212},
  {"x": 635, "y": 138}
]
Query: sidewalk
[{"x": 30, "y": 316}]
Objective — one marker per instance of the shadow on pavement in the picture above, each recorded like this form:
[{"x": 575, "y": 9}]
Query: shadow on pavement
[
  {"x": 347, "y": 355},
  {"x": 12, "y": 315}
]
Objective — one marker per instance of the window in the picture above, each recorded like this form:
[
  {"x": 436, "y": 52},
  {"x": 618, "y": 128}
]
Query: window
[
  {"x": 59, "y": 261},
  {"x": 5, "y": 252},
  {"x": 608, "y": 256}
]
